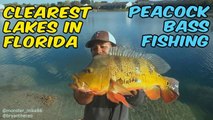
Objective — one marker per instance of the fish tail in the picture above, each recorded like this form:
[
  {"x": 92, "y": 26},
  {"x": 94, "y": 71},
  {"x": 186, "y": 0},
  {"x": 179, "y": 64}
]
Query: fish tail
[{"x": 172, "y": 91}]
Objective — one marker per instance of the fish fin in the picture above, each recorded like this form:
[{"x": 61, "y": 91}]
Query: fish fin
[
  {"x": 172, "y": 92},
  {"x": 110, "y": 96},
  {"x": 160, "y": 64},
  {"x": 168, "y": 95},
  {"x": 122, "y": 99},
  {"x": 116, "y": 98},
  {"x": 153, "y": 93},
  {"x": 118, "y": 88},
  {"x": 124, "y": 51}
]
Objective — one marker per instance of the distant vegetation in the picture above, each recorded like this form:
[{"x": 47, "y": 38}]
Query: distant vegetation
[{"x": 117, "y": 5}]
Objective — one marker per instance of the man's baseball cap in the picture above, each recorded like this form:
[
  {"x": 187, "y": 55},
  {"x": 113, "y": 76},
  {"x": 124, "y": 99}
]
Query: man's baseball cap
[{"x": 101, "y": 36}]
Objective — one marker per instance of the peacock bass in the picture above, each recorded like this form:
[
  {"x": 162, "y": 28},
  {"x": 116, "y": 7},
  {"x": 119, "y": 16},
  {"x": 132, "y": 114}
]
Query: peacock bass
[{"x": 124, "y": 70}]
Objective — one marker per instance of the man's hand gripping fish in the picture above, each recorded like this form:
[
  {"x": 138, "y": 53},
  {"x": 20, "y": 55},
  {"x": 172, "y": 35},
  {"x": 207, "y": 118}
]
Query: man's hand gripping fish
[{"x": 124, "y": 70}]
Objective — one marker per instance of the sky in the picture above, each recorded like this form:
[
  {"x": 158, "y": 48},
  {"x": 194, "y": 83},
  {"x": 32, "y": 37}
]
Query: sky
[{"x": 49, "y": 1}]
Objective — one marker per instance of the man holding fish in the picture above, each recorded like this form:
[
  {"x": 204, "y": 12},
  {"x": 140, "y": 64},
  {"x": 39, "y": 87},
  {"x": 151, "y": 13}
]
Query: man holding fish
[
  {"x": 99, "y": 107},
  {"x": 116, "y": 77}
]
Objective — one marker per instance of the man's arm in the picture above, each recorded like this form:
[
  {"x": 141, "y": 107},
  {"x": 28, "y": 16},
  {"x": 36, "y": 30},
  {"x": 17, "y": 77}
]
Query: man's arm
[{"x": 82, "y": 97}]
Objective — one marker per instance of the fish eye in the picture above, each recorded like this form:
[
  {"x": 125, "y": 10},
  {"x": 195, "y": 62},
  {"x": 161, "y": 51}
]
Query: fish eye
[{"x": 88, "y": 70}]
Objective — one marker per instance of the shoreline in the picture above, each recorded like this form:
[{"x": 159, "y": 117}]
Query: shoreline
[{"x": 210, "y": 13}]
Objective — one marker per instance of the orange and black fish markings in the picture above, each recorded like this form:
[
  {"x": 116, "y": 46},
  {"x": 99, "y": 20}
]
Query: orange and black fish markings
[
  {"x": 117, "y": 74},
  {"x": 131, "y": 81},
  {"x": 120, "y": 81}
]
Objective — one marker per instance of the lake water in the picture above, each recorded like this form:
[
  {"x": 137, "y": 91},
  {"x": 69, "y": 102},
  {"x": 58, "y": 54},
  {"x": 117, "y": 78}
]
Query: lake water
[{"x": 50, "y": 69}]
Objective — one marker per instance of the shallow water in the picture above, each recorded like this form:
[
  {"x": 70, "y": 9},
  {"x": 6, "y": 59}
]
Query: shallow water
[{"x": 49, "y": 70}]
